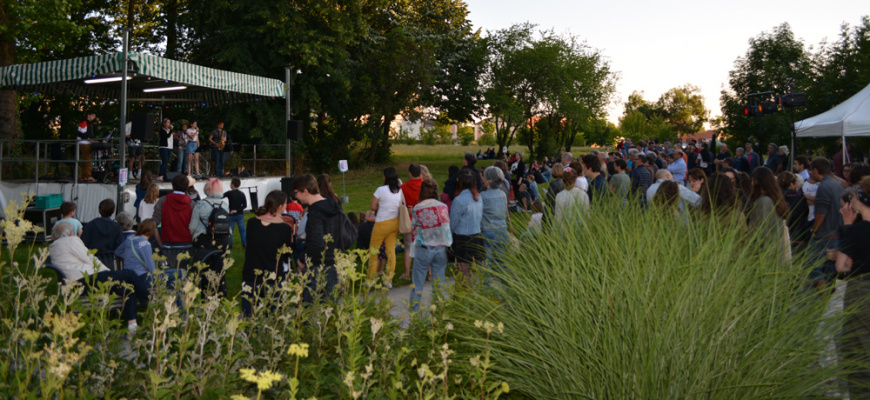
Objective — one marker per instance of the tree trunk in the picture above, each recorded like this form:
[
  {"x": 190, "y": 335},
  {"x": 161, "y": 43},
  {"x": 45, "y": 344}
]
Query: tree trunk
[
  {"x": 171, "y": 10},
  {"x": 9, "y": 123}
]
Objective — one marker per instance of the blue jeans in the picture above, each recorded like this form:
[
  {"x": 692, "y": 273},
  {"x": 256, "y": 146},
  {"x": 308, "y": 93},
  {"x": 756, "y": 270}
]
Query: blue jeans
[
  {"x": 238, "y": 219},
  {"x": 330, "y": 280},
  {"x": 140, "y": 292},
  {"x": 425, "y": 257},
  {"x": 182, "y": 160},
  {"x": 496, "y": 245},
  {"x": 165, "y": 154},
  {"x": 171, "y": 276},
  {"x": 220, "y": 158},
  {"x": 816, "y": 253}
]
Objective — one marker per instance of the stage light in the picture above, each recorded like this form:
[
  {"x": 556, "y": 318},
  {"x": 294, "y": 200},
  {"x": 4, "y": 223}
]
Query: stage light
[
  {"x": 753, "y": 111},
  {"x": 794, "y": 100},
  {"x": 105, "y": 80},
  {"x": 164, "y": 89},
  {"x": 769, "y": 107}
]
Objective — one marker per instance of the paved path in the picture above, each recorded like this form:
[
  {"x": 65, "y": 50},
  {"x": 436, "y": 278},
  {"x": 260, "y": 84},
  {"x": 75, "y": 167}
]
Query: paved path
[{"x": 401, "y": 297}]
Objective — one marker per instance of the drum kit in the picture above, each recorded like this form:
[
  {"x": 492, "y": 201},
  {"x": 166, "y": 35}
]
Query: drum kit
[{"x": 105, "y": 164}]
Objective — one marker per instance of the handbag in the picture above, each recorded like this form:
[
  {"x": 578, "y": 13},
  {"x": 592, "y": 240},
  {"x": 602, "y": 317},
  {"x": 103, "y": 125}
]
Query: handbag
[{"x": 404, "y": 218}]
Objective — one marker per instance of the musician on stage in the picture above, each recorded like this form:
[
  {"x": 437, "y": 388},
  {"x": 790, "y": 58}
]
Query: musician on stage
[
  {"x": 219, "y": 139},
  {"x": 134, "y": 149},
  {"x": 86, "y": 138}
]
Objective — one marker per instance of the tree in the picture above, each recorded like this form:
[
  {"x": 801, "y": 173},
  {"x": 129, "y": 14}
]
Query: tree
[
  {"x": 545, "y": 86},
  {"x": 28, "y": 28},
  {"x": 683, "y": 108},
  {"x": 771, "y": 60}
]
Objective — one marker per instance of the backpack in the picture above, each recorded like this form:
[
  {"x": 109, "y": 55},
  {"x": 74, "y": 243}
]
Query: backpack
[
  {"x": 218, "y": 221},
  {"x": 348, "y": 233}
]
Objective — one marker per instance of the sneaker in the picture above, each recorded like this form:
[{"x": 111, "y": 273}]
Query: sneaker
[{"x": 389, "y": 285}]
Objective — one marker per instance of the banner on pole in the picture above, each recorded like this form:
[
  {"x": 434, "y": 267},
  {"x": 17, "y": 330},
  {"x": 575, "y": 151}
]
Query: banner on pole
[{"x": 342, "y": 165}]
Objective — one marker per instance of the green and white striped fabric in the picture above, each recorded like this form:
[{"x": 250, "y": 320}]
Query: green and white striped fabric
[{"x": 67, "y": 77}]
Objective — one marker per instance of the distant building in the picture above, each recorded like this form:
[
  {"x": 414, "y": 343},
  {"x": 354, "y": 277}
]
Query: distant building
[{"x": 706, "y": 136}]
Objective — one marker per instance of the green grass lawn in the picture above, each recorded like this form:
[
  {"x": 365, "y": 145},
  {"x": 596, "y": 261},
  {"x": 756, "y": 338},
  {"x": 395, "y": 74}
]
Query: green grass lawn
[{"x": 359, "y": 185}]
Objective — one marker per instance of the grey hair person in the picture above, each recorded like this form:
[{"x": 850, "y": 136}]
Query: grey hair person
[
  {"x": 125, "y": 220},
  {"x": 494, "y": 176},
  {"x": 61, "y": 230}
]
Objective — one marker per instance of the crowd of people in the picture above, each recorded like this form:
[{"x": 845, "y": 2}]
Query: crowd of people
[{"x": 817, "y": 208}]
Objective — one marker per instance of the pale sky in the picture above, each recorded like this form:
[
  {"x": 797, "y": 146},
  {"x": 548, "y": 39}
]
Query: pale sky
[{"x": 658, "y": 45}]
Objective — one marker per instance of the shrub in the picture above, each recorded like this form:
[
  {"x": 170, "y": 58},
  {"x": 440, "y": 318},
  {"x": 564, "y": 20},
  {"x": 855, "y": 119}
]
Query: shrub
[
  {"x": 632, "y": 304},
  {"x": 487, "y": 139},
  {"x": 466, "y": 135},
  {"x": 429, "y": 137}
]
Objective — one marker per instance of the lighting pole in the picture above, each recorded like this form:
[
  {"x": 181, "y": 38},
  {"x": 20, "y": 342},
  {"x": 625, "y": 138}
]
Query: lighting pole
[{"x": 122, "y": 137}]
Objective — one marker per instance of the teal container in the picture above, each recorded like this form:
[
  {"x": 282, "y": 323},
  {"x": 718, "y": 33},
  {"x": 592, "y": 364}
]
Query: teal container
[{"x": 48, "y": 201}]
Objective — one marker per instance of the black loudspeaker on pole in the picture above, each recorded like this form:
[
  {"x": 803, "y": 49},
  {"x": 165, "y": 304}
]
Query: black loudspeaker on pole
[{"x": 294, "y": 130}]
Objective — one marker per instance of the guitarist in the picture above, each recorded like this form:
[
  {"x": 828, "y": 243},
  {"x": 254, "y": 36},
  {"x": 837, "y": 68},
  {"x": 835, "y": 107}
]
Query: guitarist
[{"x": 218, "y": 138}]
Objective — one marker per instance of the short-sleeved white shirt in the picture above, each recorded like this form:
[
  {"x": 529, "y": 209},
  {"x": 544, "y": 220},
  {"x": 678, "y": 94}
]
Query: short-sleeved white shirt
[
  {"x": 191, "y": 135},
  {"x": 582, "y": 183},
  {"x": 388, "y": 203}
]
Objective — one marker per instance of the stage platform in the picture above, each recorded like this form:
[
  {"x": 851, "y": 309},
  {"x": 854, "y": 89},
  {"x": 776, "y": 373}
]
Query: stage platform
[{"x": 88, "y": 196}]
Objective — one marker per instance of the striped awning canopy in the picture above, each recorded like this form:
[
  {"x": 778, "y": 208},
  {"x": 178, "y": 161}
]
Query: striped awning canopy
[{"x": 152, "y": 79}]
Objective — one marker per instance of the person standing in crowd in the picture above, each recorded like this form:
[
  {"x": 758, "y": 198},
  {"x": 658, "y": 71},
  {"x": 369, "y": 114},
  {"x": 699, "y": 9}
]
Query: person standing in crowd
[
  {"x": 146, "y": 207},
  {"x": 597, "y": 184},
  {"x": 782, "y": 152},
  {"x": 518, "y": 171},
  {"x": 571, "y": 203},
  {"x": 774, "y": 161},
  {"x": 164, "y": 147},
  {"x": 86, "y": 138},
  {"x": 205, "y": 240},
  {"x": 465, "y": 218},
  {"x": 641, "y": 178},
  {"x": 696, "y": 179},
  {"x": 685, "y": 194},
  {"x": 175, "y": 212},
  {"x": 324, "y": 184},
  {"x": 71, "y": 257},
  {"x": 237, "y": 205},
  {"x": 678, "y": 166},
  {"x": 68, "y": 212},
  {"x": 430, "y": 221},
  {"x": 620, "y": 183},
  {"x": 797, "y": 209},
  {"x": 386, "y": 201},
  {"x": 411, "y": 192},
  {"x": 667, "y": 198},
  {"x": 142, "y": 187},
  {"x": 324, "y": 218},
  {"x": 103, "y": 233},
  {"x": 192, "y": 140},
  {"x": 827, "y": 221},
  {"x": 840, "y": 160},
  {"x": 218, "y": 139},
  {"x": 768, "y": 211},
  {"x": 180, "y": 139},
  {"x": 723, "y": 155},
  {"x": 556, "y": 186},
  {"x": 450, "y": 185},
  {"x": 753, "y": 157},
  {"x": 706, "y": 159},
  {"x": 802, "y": 170},
  {"x": 494, "y": 221},
  {"x": 741, "y": 162},
  {"x": 468, "y": 162},
  {"x": 719, "y": 198},
  {"x": 854, "y": 260},
  {"x": 268, "y": 234}
]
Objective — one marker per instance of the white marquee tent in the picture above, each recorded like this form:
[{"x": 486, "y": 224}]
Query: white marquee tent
[{"x": 849, "y": 118}]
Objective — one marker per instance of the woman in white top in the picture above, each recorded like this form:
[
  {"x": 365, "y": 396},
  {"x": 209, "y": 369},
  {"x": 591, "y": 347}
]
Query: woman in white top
[
  {"x": 581, "y": 182},
  {"x": 571, "y": 203},
  {"x": 386, "y": 202},
  {"x": 146, "y": 207},
  {"x": 190, "y": 148}
]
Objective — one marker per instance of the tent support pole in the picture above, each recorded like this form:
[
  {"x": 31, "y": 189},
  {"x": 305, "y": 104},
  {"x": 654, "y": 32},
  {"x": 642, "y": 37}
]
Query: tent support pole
[
  {"x": 793, "y": 142},
  {"x": 122, "y": 136},
  {"x": 288, "y": 94}
]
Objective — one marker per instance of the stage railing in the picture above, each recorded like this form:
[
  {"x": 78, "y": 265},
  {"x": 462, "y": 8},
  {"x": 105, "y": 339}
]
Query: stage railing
[{"x": 46, "y": 153}]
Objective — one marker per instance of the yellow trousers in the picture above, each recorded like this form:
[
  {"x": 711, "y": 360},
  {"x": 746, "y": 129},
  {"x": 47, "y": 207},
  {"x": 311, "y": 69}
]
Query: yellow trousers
[{"x": 384, "y": 232}]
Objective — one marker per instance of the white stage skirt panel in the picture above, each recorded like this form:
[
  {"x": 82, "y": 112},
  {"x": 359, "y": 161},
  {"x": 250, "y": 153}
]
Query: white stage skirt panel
[{"x": 88, "y": 196}]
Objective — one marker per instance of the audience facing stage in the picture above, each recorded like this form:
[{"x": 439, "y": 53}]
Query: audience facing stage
[{"x": 88, "y": 196}]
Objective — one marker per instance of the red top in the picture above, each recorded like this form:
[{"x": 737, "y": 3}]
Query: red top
[
  {"x": 175, "y": 218},
  {"x": 294, "y": 206},
  {"x": 411, "y": 190}
]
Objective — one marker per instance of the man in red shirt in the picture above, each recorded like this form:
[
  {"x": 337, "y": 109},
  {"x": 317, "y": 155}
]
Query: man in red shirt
[
  {"x": 176, "y": 212},
  {"x": 411, "y": 191}
]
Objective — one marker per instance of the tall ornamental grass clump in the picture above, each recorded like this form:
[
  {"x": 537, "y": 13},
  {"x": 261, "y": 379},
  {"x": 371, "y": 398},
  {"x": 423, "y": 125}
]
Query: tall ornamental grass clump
[{"x": 630, "y": 304}]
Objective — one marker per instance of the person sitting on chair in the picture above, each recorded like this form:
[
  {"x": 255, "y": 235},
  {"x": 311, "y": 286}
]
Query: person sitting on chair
[
  {"x": 70, "y": 256},
  {"x": 103, "y": 234}
]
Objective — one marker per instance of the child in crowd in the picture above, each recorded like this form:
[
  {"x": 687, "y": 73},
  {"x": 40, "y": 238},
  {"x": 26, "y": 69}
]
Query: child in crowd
[
  {"x": 68, "y": 211},
  {"x": 136, "y": 252},
  {"x": 237, "y": 204},
  {"x": 533, "y": 186},
  {"x": 103, "y": 234}
]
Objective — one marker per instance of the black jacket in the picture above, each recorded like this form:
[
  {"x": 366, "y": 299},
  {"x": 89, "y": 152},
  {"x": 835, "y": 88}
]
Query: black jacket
[{"x": 324, "y": 217}]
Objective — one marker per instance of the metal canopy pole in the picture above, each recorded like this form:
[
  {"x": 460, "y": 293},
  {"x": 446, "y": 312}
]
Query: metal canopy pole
[
  {"x": 122, "y": 137},
  {"x": 288, "y": 94}
]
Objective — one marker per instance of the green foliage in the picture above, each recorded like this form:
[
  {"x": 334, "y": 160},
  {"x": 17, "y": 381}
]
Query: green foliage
[
  {"x": 487, "y": 139},
  {"x": 56, "y": 346},
  {"x": 404, "y": 137},
  {"x": 521, "y": 94},
  {"x": 678, "y": 111},
  {"x": 429, "y": 136},
  {"x": 466, "y": 135},
  {"x": 611, "y": 310},
  {"x": 772, "y": 58}
]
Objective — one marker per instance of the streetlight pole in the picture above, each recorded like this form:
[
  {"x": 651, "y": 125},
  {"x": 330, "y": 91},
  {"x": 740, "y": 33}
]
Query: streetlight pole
[{"x": 122, "y": 136}]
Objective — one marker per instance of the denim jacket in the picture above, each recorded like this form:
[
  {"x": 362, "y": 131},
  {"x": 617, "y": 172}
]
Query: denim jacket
[
  {"x": 466, "y": 214},
  {"x": 494, "y": 211}
]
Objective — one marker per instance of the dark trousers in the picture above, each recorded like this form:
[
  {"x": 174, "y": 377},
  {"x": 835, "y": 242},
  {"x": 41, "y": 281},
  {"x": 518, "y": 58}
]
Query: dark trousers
[
  {"x": 330, "y": 278},
  {"x": 165, "y": 154},
  {"x": 204, "y": 244},
  {"x": 856, "y": 334},
  {"x": 257, "y": 293},
  {"x": 140, "y": 291},
  {"x": 220, "y": 158}
]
